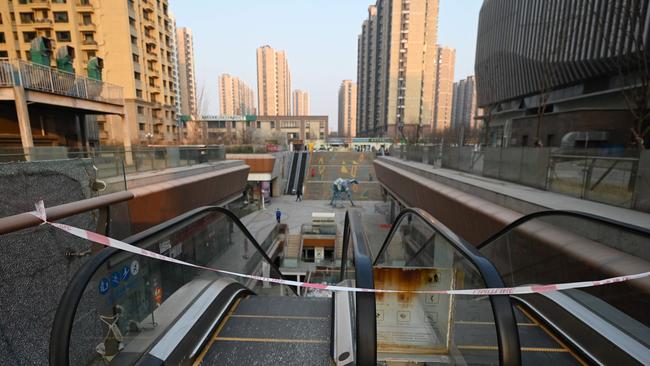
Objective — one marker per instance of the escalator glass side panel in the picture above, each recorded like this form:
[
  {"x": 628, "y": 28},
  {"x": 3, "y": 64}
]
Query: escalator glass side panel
[
  {"x": 568, "y": 247},
  {"x": 130, "y": 300},
  {"x": 431, "y": 328}
]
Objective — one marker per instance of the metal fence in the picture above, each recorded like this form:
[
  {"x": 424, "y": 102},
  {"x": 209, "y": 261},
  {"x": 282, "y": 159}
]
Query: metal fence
[
  {"x": 616, "y": 177},
  {"x": 43, "y": 78},
  {"x": 110, "y": 162}
]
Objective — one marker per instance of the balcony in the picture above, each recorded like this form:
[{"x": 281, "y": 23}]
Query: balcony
[
  {"x": 87, "y": 26},
  {"x": 148, "y": 6},
  {"x": 85, "y": 6},
  {"x": 149, "y": 23},
  {"x": 88, "y": 44},
  {"x": 46, "y": 79},
  {"x": 41, "y": 23},
  {"x": 154, "y": 89},
  {"x": 153, "y": 72},
  {"x": 40, "y": 4}
]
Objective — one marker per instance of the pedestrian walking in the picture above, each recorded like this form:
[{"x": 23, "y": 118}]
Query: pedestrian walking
[
  {"x": 278, "y": 215},
  {"x": 299, "y": 195}
]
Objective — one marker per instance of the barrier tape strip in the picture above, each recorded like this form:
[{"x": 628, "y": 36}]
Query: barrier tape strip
[{"x": 521, "y": 290}]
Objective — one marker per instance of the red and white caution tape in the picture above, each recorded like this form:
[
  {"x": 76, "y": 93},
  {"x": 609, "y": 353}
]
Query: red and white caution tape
[{"x": 521, "y": 290}]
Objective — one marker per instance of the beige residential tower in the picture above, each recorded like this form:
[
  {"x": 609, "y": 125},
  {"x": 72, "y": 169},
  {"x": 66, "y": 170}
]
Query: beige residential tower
[
  {"x": 397, "y": 69},
  {"x": 444, "y": 90},
  {"x": 187, "y": 72},
  {"x": 136, "y": 42},
  {"x": 235, "y": 97},
  {"x": 273, "y": 82},
  {"x": 300, "y": 105},
  {"x": 347, "y": 109}
]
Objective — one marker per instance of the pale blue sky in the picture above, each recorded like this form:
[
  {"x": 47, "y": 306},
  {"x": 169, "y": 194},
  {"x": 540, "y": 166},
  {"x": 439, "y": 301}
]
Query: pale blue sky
[{"x": 319, "y": 36}]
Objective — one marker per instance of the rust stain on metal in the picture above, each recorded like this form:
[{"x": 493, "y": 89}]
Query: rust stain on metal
[{"x": 404, "y": 279}]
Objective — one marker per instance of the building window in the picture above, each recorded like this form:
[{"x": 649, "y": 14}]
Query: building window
[
  {"x": 60, "y": 16},
  {"x": 29, "y": 36},
  {"x": 136, "y": 75},
  {"x": 90, "y": 54},
  {"x": 26, "y": 18},
  {"x": 4, "y": 54},
  {"x": 86, "y": 19},
  {"x": 140, "y": 110},
  {"x": 63, "y": 36},
  {"x": 59, "y": 1},
  {"x": 138, "y": 93},
  {"x": 141, "y": 125},
  {"x": 89, "y": 38},
  {"x": 136, "y": 58},
  {"x": 2, "y": 38}
]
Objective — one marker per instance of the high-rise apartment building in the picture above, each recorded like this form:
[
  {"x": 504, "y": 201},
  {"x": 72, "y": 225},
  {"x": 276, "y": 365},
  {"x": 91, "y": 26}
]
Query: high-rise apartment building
[
  {"x": 273, "y": 82},
  {"x": 444, "y": 89},
  {"x": 300, "y": 103},
  {"x": 347, "y": 109},
  {"x": 134, "y": 39},
  {"x": 187, "y": 72},
  {"x": 397, "y": 68},
  {"x": 464, "y": 109},
  {"x": 235, "y": 97}
]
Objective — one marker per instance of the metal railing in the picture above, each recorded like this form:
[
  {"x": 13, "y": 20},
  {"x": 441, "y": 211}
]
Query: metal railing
[
  {"x": 46, "y": 79},
  {"x": 111, "y": 162},
  {"x": 614, "y": 177}
]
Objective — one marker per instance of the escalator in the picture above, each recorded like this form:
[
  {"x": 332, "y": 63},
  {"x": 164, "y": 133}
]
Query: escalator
[
  {"x": 292, "y": 173},
  {"x": 122, "y": 309},
  {"x": 301, "y": 176},
  {"x": 297, "y": 175}
]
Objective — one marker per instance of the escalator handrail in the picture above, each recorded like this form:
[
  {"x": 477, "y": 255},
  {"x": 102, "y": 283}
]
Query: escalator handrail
[
  {"x": 365, "y": 320},
  {"x": 638, "y": 230},
  {"x": 66, "y": 311},
  {"x": 504, "y": 317}
]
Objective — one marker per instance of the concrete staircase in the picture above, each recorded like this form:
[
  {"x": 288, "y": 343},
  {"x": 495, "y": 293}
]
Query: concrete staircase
[
  {"x": 325, "y": 167},
  {"x": 292, "y": 251}
]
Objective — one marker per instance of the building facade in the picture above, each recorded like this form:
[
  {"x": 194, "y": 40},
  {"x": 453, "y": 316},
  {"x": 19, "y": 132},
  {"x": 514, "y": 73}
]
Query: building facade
[
  {"x": 464, "y": 108},
  {"x": 300, "y": 104},
  {"x": 397, "y": 58},
  {"x": 235, "y": 97},
  {"x": 548, "y": 71},
  {"x": 273, "y": 82},
  {"x": 258, "y": 129},
  {"x": 347, "y": 123},
  {"x": 187, "y": 72},
  {"x": 444, "y": 90},
  {"x": 136, "y": 43}
]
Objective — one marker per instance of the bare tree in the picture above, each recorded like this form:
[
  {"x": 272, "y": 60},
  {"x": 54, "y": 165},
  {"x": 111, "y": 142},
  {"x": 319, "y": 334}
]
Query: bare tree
[{"x": 202, "y": 100}]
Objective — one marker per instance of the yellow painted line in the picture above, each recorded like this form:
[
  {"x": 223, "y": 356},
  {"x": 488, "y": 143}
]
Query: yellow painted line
[
  {"x": 201, "y": 356},
  {"x": 271, "y": 340},
  {"x": 556, "y": 339},
  {"x": 489, "y": 323},
  {"x": 279, "y": 317},
  {"x": 523, "y": 349}
]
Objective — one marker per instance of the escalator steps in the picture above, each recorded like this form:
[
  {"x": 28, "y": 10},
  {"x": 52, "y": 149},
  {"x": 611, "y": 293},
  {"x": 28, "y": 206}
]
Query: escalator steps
[{"x": 263, "y": 330}]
